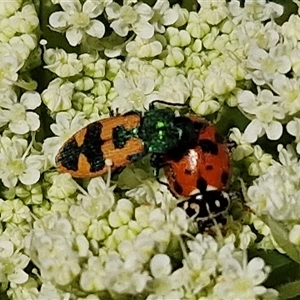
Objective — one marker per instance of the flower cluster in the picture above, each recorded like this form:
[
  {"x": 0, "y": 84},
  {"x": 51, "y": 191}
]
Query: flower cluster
[{"x": 125, "y": 237}]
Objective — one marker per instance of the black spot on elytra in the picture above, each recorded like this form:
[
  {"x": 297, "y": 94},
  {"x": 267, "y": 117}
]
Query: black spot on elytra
[
  {"x": 201, "y": 184},
  {"x": 209, "y": 167},
  {"x": 91, "y": 149},
  {"x": 69, "y": 155},
  {"x": 225, "y": 177},
  {"x": 209, "y": 146}
]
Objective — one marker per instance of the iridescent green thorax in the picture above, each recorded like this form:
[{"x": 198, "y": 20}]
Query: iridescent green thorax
[{"x": 161, "y": 131}]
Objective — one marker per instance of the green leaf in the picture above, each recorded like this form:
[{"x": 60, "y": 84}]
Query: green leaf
[
  {"x": 289, "y": 290},
  {"x": 280, "y": 264},
  {"x": 280, "y": 234}
]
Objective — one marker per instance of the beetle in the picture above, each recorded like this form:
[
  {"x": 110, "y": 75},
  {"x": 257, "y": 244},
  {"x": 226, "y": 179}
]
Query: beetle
[
  {"x": 201, "y": 174},
  {"x": 124, "y": 139}
]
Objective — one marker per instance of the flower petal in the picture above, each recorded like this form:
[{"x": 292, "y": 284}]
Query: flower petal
[
  {"x": 253, "y": 131},
  {"x": 59, "y": 19},
  {"x": 96, "y": 29},
  {"x": 74, "y": 36},
  {"x": 93, "y": 8},
  {"x": 274, "y": 130},
  {"x": 31, "y": 100},
  {"x": 19, "y": 126}
]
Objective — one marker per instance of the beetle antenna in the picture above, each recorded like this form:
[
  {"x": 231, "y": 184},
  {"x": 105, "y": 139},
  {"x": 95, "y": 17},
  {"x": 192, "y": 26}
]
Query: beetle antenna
[{"x": 108, "y": 163}]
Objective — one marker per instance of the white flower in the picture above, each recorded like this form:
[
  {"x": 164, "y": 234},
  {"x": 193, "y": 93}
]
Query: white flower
[
  {"x": 242, "y": 149},
  {"x": 51, "y": 291},
  {"x": 15, "y": 113},
  {"x": 51, "y": 245},
  {"x": 293, "y": 128},
  {"x": 58, "y": 95},
  {"x": 266, "y": 111},
  {"x": 124, "y": 276},
  {"x": 16, "y": 163},
  {"x": 26, "y": 20},
  {"x": 12, "y": 263},
  {"x": 122, "y": 213},
  {"x": 202, "y": 103},
  {"x": 128, "y": 18},
  {"x": 265, "y": 65},
  {"x": 76, "y": 20},
  {"x": 61, "y": 63},
  {"x": 8, "y": 8},
  {"x": 164, "y": 284},
  {"x": 133, "y": 94},
  {"x": 196, "y": 27},
  {"x": 212, "y": 11},
  {"x": 92, "y": 279},
  {"x": 142, "y": 48},
  {"x": 10, "y": 64},
  {"x": 14, "y": 211},
  {"x": 244, "y": 282},
  {"x": 62, "y": 187},
  {"x": 259, "y": 161},
  {"x": 163, "y": 15},
  {"x": 173, "y": 88},
  {"x": 276, "y": 192},
  {"x": 288, "y": 89},
  {"x": 254, "y": 10},
  {"x": 225, "y": 83},
  {"x": 178, "y": 38},
  {"x": 23, "y": 45},
  {"x": 98, "y": 199},
  {"x": 291, "y": 28},
  {"x": 27, "y": 290}
]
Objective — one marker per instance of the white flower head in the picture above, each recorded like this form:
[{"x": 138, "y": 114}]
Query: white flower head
[
  {"x": 133, "y": 94},
  {"x": 51, "y": 245},
  {"x": 265, "y": 66},
  {"x": 16, "y": 163},
  {"x": 276, "y": 191},
  {"x": 287, "y": 89},
  {"x": 173, "y": 89},
  {"x": 127, "y": 17},
  {"x": 212, "y": 11},
  {"x": 163, "y": 15},
  {"x": 25, "y": 20},
  {"x": 61, "y": 63},
  {"x": 9, "y": 8},
  {"x": 98, "y": 199},
  {"x": 124, "y": 276},
  {"x": 142, "y": 48},
  {"x": 243, "y": 282},
  {"x": 16, "y": 113},
  {"x": 10, "y": 64},
  {"x": 58, "y": 95},
  {"x": 12, "y": 263},
  {"x": 77, "y": 20},
  {"x": 165, "y": 285},
  {"x": 225, "y": 83},
  {"x": 265, "y": 111},
  {"x": 243, "y": 149}
]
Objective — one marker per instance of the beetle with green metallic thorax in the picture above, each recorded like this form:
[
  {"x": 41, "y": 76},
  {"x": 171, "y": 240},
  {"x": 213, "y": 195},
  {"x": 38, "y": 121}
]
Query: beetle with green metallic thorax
[{"x": 124, "y": 139}]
